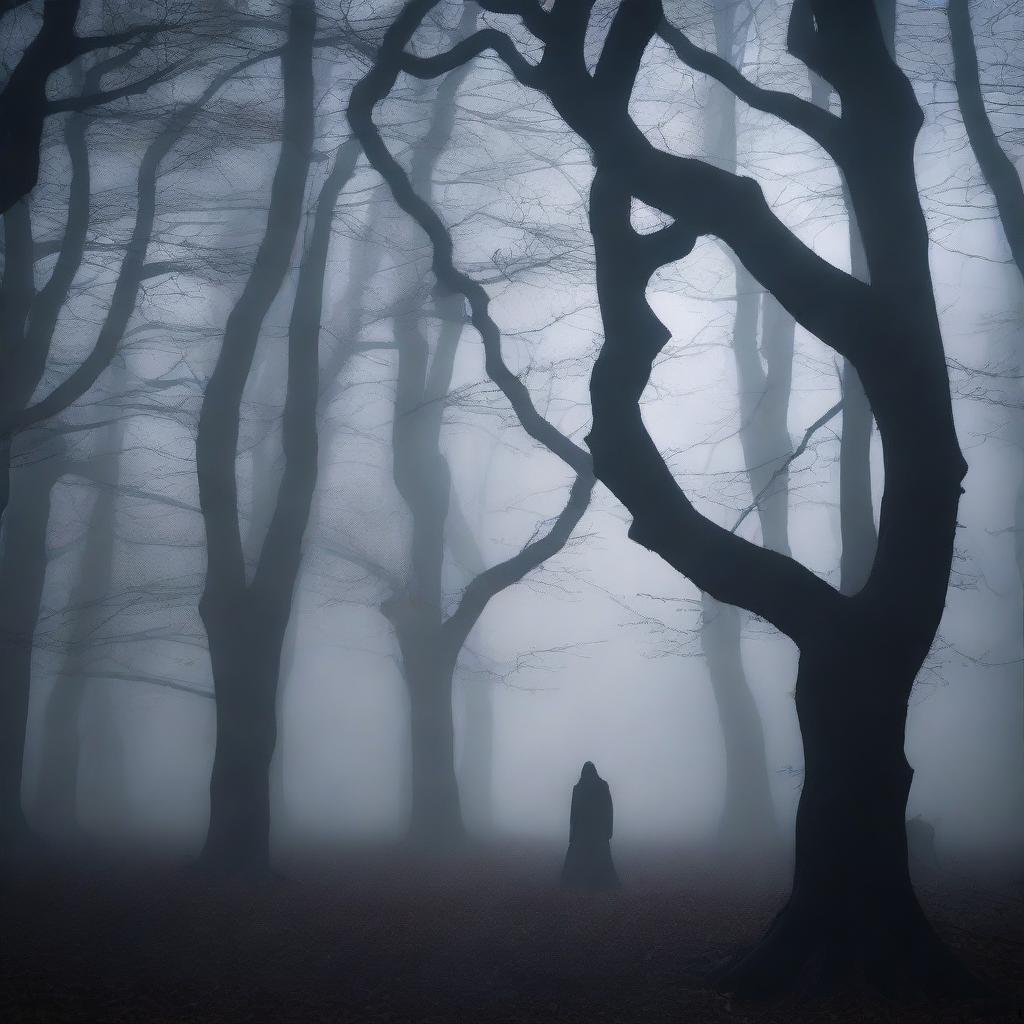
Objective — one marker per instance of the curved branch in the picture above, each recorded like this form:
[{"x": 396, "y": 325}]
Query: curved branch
[
  {"x": 494, "y": 580},
  {"x": 627, "y": 460},
  {"x": 100, "y": 97},
  {"x": 133, "y": 268},
  {"x": 376, "y": 84},
  {"x": 820, "y": 125},
  {"x": 464, "y": 51},
  {"x": 534, "y": 17},
  {"x": 798, "y": 451}
]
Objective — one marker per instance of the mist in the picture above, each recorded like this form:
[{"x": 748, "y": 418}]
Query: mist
[{"x": 405, "y": 405}]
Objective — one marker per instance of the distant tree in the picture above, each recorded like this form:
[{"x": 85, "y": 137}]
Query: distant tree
[
  {"x": 56, "y": 801},
  {"x": 29, "y": 318},
  {"x": 762, "y": 343},
  {"x": 246, "y": 619},
  {"x": 1004, "y": 181},
  {"x": 852, "y": 907},
  {"x": 430, "y": 641}
]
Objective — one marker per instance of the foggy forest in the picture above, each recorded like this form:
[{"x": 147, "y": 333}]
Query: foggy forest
[{"x": 512, "y": 510}]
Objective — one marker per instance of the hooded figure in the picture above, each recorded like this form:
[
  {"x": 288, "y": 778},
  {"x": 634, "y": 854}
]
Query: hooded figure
[{"x": 588, "y": 861}]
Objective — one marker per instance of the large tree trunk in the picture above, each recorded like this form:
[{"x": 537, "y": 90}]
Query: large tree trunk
[
  {"x": 436, "y": 813},
  {"x": 244, "y": 652},
  {"x": 852, "y": 914}
]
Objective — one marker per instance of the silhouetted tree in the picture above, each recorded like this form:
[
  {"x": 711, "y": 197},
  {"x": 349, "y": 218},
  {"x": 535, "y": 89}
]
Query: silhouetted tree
[
  {"x": 852, "y": 907},
  {"x": 1004, "y": 181},
  {"x": 24, "y": 104},
  {"x": 28, "y": 322},
  {"x": 430, "y": 642}
]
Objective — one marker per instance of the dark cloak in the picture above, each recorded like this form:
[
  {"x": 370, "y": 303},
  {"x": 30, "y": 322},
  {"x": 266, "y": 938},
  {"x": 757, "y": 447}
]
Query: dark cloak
[{"x": 588, "y": 861}]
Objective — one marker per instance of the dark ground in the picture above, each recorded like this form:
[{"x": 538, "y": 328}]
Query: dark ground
[{"x": 375, "y": 936}]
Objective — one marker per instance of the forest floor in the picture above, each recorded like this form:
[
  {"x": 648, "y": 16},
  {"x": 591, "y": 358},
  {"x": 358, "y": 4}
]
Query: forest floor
[{"x": 375, "y": 936}]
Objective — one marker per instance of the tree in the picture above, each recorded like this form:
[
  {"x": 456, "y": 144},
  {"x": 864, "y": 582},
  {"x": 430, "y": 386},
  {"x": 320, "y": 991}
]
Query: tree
[
  {"x": 24, "y": 105},
  {"x": 28, "y": 322},
  {"x": 246, "y": 620},
  {"x": 852, "y": 908},
  {"x": 56, "y": 798},
  {"x": 430, "y": 641},
  {"x": 1004, "y": 181}
]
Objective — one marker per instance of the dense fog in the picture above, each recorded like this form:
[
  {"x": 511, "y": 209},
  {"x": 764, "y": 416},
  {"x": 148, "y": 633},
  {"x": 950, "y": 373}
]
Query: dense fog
[
  {"x": 413, "y": 414},
  {"x": 596, "y": 653}
]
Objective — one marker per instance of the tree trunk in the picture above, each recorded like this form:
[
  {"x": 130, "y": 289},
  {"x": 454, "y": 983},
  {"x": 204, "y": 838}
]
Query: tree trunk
[
  {"x": 435, "y": 818},
  {"x": 23, "y": 566},
  {"x": 476, "y": 765},
  {"x": 238, "y": 839},
  {"x": 57, "y": 785},
  {"x": 56, "y": 799},
  {"x": 246, "y": 620},
  {"x": 852, "y": 914}
]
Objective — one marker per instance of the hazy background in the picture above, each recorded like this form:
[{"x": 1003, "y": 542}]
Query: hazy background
[{"x": 596, "y": 655}]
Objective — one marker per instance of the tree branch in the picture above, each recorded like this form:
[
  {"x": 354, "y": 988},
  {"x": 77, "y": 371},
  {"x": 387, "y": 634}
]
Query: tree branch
[
  {"x": 800, "y": 449},
  {"x": 377, "y": 83},
  {"x": 109, "y": 95},
  {"x": 820, "y": 125},
  {"x": 494, "y": 580}
]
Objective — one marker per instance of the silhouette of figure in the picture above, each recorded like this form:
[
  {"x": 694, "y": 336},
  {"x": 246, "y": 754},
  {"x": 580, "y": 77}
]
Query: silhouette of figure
[{"x": 588, "y": 861}]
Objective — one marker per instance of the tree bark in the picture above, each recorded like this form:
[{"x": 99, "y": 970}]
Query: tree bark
[
  {"x": 245, "y": 674},
  {"x": 852, "y": 915},
  {"x": 246, "y": 621}
]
